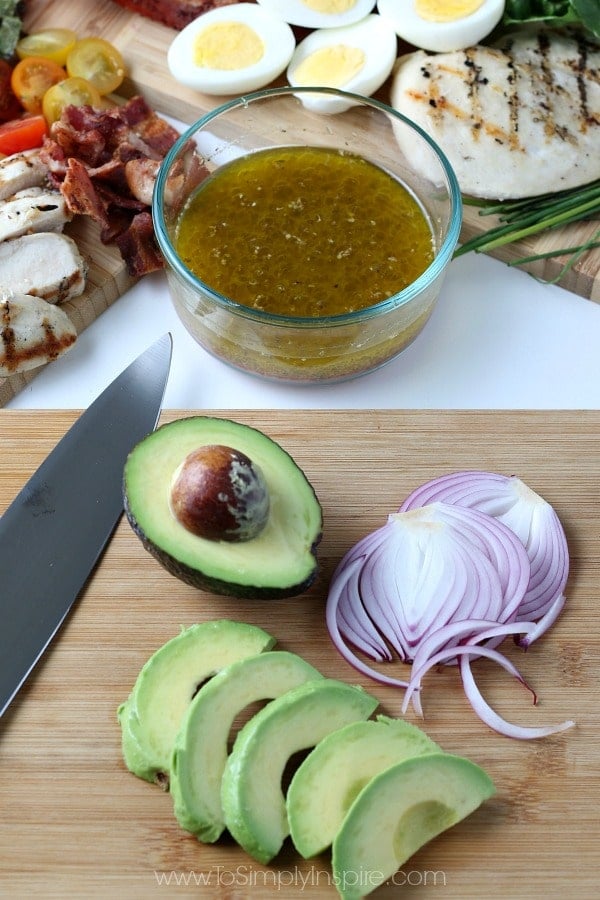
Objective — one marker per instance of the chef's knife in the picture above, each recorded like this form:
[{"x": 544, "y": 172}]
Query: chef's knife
[{"x": 53, "y": 533}]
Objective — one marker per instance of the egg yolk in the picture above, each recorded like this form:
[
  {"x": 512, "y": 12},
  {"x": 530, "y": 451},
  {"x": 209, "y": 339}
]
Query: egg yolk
[
  {"x": 330, "y": 66},
  {"x": 330, "y": 6},
  {"x": 227, "y": 45},
  {"x": 446, "y": 10}
]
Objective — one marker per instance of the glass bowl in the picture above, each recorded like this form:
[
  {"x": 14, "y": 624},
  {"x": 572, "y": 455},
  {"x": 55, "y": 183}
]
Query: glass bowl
[{"x": 292, "y": 348}]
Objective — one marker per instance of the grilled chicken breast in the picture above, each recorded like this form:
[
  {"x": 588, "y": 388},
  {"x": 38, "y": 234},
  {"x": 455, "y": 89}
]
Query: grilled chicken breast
[
  {"x": 514, "y": 120},
  {"x": 20, "y": 172},
  {"x": 32, "y": 210},
  {"x": 32, "y": 332},
  {"x": 45, "y": 265}
]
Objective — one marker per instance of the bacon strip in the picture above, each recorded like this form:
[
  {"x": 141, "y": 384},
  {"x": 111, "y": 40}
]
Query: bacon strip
[
  {"x": 104, "y": 162},
  {"x": 174, "y": 13}
]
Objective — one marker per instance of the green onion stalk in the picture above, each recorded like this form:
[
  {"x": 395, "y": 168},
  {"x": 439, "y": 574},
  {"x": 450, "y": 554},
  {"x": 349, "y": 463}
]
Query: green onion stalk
[{"x": 519, "y": 219}]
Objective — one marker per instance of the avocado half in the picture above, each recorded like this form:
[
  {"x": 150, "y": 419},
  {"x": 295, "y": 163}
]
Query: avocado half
[{"x": 280, "y": 561}]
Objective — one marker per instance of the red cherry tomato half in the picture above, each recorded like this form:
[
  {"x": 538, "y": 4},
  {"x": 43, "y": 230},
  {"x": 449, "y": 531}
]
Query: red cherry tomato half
[{"x": 22, "y": 134}]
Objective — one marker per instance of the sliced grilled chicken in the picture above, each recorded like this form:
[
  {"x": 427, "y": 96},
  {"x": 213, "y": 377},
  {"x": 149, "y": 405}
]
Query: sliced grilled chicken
[
  {"x": 45, "y": 265},
  {"x": 33, "y": 210},
  {"x": 32, "y": 332},
  {"x": 21, "y": 171},
  {"x": 515, "y": 120}
]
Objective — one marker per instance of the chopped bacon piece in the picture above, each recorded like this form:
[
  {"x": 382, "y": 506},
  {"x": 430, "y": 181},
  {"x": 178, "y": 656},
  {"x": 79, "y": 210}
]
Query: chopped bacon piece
[
  {"x": 78, "y": 189},
  {"x": 138, "y": 245},
  {"x": 105, "y": 162},
  {"x": 174, "y": 13}
]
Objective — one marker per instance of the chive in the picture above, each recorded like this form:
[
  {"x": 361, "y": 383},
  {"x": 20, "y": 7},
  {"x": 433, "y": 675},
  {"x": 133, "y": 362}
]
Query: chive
[
  {"x": 575, "y": 254},
  {"x": 518, "y": 219}
]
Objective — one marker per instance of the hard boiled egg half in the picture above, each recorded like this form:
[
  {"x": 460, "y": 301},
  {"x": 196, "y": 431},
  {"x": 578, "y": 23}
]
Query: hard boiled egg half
[
  {"x": 231, "y": 50},
  {"x": 442, "y": 25},
  {"x": 357, "y": 58},
  {"x": 319, "y": 13}
]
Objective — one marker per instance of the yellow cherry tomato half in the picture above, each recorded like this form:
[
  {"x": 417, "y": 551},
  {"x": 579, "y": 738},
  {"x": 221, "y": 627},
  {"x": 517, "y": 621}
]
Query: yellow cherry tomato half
[
  {"x": 99, "y": 62},
  {"x": 70, "y": 92},
  {"x": 52, "y": 43},
  {"x": 31, "y": 78}
]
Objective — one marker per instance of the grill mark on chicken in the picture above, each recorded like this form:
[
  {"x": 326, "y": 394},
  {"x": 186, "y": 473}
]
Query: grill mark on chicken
[
  {"x": 7, "y": 335},
  {"x": 474, "y": 82},
  {"x": 441, "y": 106},
  {"x": 584, "y": 75},
  {"x": 548, "y": 88},
  {"x": 580, "y": 69},
  {"x": 15, "y": 356},
  {"x": 512, "y": 99},
  {"x": 30, "y": 336}
]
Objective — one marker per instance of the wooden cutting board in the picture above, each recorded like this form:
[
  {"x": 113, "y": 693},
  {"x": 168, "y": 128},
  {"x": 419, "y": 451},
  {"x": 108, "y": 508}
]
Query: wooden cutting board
[{"x": 75, "y": 823}]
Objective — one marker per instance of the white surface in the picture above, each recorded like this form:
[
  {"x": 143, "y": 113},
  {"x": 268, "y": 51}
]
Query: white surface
[{"x": 498, "y": 339}]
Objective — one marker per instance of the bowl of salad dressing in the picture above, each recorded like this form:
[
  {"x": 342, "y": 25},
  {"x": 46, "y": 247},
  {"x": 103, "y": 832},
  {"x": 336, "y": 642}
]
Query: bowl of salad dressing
[{"x": 303, "y": 247}]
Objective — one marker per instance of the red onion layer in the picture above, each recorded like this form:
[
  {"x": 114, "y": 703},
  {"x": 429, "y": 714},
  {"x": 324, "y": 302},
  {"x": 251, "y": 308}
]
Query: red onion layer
[
  {"x": 469, "y": 559},
  {"x": 533, "y": 520}
]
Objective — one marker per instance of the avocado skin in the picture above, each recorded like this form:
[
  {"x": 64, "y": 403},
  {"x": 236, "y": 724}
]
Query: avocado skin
[
  {"x": 203, "y": 582},
  {"x": 195, "y": 576}
]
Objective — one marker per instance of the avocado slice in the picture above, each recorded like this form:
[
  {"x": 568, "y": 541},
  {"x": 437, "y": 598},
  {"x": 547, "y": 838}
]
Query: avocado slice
[
  {"x": 151, "y": 715},
  {"x": 333, "y": 774},
  {"x": 278, "y": 561},
  {"x": 398, "y": 811},
  {"x": 201, "y": 745},
  {"x": 251, "y": 788}
]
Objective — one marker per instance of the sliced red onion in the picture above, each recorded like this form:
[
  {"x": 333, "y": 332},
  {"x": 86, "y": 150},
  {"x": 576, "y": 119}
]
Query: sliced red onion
[
  {"x": 461, "y": 651},
  {"x": 429, "y": 653},
  {"x": 533, "y": 520},
  {"x": 491, "y": 718},
  {"x": 446, "y": 579}
]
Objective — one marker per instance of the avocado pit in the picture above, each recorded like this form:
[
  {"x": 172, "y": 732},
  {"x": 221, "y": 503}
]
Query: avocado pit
[{"x": 218, "y": 493}]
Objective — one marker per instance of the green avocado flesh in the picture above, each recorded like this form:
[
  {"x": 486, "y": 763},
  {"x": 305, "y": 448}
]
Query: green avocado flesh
[
  {"x": 151, "y": 716},
  {"x": 251, "y": 789},
  {"x": 279, "y": 562},
  {"x": 333, "y": 774},
  {"x": 201, "y": 746},
  {"x": 399, "y": 811}
]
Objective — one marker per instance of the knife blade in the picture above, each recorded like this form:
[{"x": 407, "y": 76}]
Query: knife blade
[{"x": 53, "y": 533}]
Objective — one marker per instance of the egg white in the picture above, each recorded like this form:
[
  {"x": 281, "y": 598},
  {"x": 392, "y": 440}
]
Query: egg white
[
  {"x": 377, "y": 41},
  {"x": 441, "y": 37},
  {"x": 277, "y": 38},
  {"x": 296, "y": 12}
]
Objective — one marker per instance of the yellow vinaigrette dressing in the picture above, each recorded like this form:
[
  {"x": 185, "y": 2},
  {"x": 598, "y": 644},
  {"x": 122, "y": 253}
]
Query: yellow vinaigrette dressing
[{"x": 304, "y": 232}]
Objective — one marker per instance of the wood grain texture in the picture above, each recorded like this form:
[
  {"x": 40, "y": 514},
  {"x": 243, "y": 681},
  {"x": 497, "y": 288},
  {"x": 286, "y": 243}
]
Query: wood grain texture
[{"x": 75, "y": 823}]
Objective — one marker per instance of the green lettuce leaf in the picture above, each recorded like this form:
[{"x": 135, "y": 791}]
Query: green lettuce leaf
[{"x": 554, "y": 12}]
